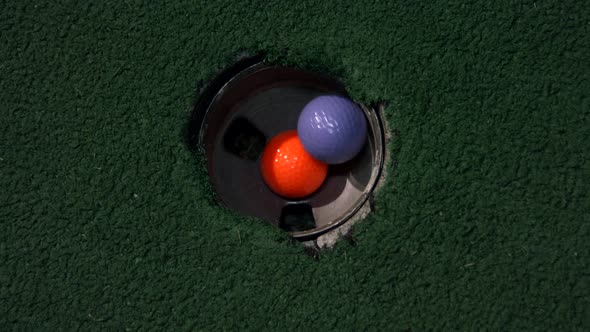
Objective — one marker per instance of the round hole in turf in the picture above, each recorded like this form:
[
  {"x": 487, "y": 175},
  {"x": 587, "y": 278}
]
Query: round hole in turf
[{"x": 250, "y": 103}]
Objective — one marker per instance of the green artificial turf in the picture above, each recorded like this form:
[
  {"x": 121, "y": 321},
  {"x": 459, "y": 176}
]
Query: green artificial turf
[{"x": 108, "y": 221}]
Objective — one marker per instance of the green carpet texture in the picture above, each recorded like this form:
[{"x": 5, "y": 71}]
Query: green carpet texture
[{"x": 108, "y": 220}]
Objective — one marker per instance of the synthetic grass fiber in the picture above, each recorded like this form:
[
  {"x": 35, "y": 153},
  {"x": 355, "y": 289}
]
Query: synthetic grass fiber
[{"x": 108, "y": 221}]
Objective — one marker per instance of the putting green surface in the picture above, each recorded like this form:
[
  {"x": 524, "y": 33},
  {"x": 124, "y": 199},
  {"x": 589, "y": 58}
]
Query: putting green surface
[{"x": 108, "y": 221}]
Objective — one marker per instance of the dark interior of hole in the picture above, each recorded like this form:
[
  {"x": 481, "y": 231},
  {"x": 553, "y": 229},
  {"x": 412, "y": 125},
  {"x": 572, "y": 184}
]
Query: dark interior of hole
[
  {"x": 297, "y": 218},
  {"x": 206, "y": 93},
  {"x": 243, "y": 139}
]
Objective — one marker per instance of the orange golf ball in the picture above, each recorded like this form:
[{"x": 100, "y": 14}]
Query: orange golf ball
[{"x": 288, "y": 169}]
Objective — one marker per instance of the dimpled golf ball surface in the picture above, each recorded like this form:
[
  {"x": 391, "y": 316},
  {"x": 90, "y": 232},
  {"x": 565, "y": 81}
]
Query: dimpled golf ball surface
[
  {"x": 332, "y": 129},
  {"x": 288, "y": 169}
]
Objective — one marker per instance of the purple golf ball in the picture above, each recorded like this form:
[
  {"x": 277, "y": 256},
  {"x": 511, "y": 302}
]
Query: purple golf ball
[{"x": 332, "y": 129}]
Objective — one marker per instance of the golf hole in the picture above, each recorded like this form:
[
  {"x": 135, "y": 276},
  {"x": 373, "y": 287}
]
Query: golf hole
[{"x": 251, "y": 102}]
